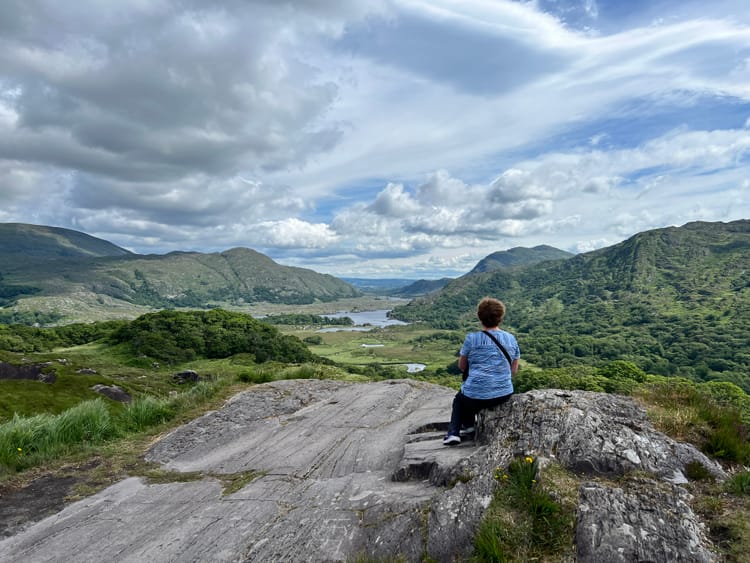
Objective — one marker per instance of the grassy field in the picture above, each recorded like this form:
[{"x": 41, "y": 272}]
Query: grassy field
[{"x": 393, "y": 345}]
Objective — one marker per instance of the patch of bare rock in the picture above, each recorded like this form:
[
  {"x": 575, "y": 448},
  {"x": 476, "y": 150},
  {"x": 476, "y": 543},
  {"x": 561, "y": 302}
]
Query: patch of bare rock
[{"x": 347, "y": 470}]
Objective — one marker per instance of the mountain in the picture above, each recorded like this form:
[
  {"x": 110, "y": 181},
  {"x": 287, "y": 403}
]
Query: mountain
[
  {"x": 421, "y": 287},
  {"x": 519, "y": 256},
  {"x": 380, "y": 286},
  {"x": 21, "y": 243},
  {"x": 76, "y": 285},
  {"x": 675, "y": 301}
]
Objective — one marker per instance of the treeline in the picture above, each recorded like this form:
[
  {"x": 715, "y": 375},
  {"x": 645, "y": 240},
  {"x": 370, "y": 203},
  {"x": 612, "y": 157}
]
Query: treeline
[
  {"x": 302, "y": 319},
  {"x": 24, "y": 339}
]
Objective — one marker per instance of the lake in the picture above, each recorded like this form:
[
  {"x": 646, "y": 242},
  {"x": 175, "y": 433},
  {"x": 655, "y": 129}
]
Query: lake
[{"x": 363, "y": 320}]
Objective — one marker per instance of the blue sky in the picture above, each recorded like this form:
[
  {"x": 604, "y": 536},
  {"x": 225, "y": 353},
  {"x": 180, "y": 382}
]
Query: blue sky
[{"x": 395, "y": 138}]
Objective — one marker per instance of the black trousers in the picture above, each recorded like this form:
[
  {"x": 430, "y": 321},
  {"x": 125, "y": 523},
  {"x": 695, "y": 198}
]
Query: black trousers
[{"x": 465, "y": 409}]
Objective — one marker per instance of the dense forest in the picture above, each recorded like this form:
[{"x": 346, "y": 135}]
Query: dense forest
[
  {"x": 168, "y": 336},
  {"x": 673, "y": 301}
]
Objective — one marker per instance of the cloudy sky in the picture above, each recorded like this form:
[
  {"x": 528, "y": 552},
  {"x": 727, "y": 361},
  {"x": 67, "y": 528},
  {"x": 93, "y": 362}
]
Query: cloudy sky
[{"x": 394, "y": 138}]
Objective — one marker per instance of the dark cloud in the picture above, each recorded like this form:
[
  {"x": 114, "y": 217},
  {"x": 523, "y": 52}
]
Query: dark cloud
[
  {"x": 160, "y": 92},
  {"x": 486, "y": 60}
]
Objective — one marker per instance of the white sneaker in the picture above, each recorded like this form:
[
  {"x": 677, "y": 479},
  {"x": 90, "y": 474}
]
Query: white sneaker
[{"x": 451, "y": 440}]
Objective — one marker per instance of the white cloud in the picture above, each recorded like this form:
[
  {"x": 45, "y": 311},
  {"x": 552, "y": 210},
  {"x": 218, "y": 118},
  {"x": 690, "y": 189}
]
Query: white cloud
[
  {"x": 293, "y": 233},
  {"x": 487, "y": 124},
  {"x": 394, "y": 202}
]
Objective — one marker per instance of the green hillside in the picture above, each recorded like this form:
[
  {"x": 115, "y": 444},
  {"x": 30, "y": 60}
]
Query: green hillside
[
  {"x": 21, "y": 243},
  {"x": 127, "y": 285},
  {"x": 519, "y": 256},
  {"x": 675, "y": 301},
  {"x": 421, "y": 287}
]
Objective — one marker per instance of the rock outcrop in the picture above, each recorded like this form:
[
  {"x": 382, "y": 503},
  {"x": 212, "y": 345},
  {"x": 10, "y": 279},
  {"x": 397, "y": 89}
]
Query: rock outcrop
[
  {"x": 335, "y": 471},
  {"x": 114, "y": 392}
]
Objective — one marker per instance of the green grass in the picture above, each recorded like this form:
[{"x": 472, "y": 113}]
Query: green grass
[
  {"x": 524, "y": 522},
  {"x": 145, "y": 412},
  {"x": 29, "y": 441},
  {"x": 739, "y": 484},
  {"x": 400, "y": 345}
]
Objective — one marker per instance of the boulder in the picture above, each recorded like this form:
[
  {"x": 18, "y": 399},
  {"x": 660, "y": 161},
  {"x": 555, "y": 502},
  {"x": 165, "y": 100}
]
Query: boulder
[
  {"x": 642, "y": 520},
  {"x": 31, "y": 372},
  {"x": 113, "y": 392},
  {"x": 186, "y": 376}
]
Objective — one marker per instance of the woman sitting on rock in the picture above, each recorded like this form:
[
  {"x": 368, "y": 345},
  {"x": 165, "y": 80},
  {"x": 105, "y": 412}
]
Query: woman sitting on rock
[{"x": 489, "y": 360}]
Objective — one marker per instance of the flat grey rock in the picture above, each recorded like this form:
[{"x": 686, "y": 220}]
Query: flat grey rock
[
  {"x": 327, "y": 452},
  {"x": 359, "y": 470}
]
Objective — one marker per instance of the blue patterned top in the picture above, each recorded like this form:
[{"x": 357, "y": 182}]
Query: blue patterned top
[{"x": 489, "y": 371}]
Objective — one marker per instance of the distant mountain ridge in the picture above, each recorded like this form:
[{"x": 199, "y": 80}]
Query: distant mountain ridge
[
  {"x": 519, "y": 256},
  {"x": 422, "y": 287},
  {"x": 71, "y": 272},
  {"x": 676, "y": 301}
]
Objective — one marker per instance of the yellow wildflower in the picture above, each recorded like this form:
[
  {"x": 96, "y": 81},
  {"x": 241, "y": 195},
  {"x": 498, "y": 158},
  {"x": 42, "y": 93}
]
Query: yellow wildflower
[
  {"x": 529, "y": 459},
  {"x": 20, "y": 450}
]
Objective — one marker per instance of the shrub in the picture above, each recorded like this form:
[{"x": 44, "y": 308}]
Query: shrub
[
  {"x": 620, "y": 369},
  {"x": 696, "y": 471},
  {"x": 314, "y": 339}
]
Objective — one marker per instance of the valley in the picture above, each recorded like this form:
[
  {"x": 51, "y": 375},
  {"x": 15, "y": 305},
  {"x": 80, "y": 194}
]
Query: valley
[{"x": 661, "y": 318}]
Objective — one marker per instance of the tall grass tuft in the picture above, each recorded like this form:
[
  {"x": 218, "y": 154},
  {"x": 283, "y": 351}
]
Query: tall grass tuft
[
  {"x": 305, "y": 371},
  {"x": 88, "y": 422},
  {"x": 258, "y": 374},
  {"x": 523, "y": 521},
  {"x": 739, "y": 484},
  {"x": 28, "y": 441},
  {"x": 146, "y": 411}
]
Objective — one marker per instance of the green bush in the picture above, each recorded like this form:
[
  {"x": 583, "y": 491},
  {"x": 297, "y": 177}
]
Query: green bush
[
  {"x": 620, "y": 369},
  {"x": 583, "y": 378},
  {"x": 181, "y": 336}
]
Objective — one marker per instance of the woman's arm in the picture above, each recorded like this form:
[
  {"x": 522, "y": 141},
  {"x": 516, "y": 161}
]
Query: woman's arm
[
  {"x": 513, "y": 367},
  {"x": 463, "y": 363}
]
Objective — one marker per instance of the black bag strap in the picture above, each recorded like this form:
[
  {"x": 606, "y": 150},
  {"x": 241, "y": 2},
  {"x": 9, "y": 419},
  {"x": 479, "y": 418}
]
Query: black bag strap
[{"x": 502, "y": 349}]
